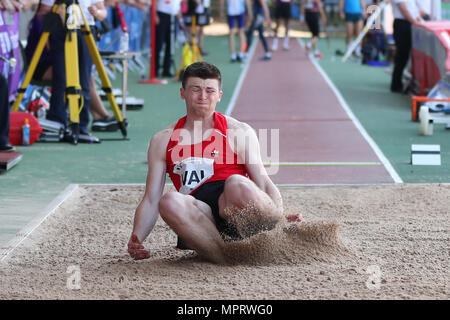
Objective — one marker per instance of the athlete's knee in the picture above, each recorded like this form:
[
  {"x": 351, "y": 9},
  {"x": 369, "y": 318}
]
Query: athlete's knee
[
  {"x": 169, "y": 206},
  {"x": 239, "y": 191},
  {"x": 176, "y": 208}
]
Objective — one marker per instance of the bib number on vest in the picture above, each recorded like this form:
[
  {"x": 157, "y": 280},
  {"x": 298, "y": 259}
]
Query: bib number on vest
[{"x": 193, "y": 172}]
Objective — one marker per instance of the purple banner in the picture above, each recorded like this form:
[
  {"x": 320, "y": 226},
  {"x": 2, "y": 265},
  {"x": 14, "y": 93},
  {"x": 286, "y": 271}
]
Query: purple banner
[{"x": 9, "y": 47}]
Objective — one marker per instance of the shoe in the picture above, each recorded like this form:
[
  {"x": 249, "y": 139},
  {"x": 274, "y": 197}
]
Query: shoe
[
  {"x": 105, "y": 124},
  {"x": 308, "y": 48},
  {"x": 233, "y": 60},
  {"x": 275, "y": 44},
  {"x": 86, "y": 137},
  {"x": 182, "y": 245},
  {"x": 396, "y": 90},
  {"x": 83, "y": 137},
  {"x": 238, "y": 59},
  {"x": 318, "y": 55},
  {"x": 286, "y": 44},
  {"x": 265, "y": 58},
  {"x": 7, "y": 148}
]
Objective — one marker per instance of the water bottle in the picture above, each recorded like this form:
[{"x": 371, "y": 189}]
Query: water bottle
[
  {"x": 26, "y": 133},
  {"x": 124, "y": 42}
]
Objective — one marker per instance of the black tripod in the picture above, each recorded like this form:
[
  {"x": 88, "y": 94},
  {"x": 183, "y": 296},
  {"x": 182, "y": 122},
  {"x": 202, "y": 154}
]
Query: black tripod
[{"x": 72, "y": 16}]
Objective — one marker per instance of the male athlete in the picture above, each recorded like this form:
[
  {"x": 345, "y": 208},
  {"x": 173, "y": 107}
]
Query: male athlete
[{"x": 214, "y": 163}]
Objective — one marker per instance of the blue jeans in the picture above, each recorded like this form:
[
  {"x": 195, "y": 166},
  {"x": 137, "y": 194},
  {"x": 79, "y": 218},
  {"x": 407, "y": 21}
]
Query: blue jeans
[
  {"x": 57, "y": 111},
  {"x": 257, "y": 24}
]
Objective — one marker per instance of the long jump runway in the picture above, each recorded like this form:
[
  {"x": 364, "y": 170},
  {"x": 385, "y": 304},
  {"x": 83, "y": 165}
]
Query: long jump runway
[{"x": 318, "y": 141}]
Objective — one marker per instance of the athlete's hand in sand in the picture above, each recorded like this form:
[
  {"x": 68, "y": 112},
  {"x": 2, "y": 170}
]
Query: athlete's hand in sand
[
  {"x": 136, "y": 249},
  {"x": 294, "y": 217}
]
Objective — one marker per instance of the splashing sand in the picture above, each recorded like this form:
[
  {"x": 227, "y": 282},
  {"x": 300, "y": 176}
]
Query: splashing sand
[{"x": 282, "y": 243}]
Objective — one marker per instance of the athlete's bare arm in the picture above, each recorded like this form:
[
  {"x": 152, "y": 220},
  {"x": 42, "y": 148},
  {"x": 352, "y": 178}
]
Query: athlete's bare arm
[{"x": 147, "y": 211}]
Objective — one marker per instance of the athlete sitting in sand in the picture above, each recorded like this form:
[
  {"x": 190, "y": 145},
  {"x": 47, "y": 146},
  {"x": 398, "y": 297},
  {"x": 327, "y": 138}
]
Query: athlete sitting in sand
[{"x": 214, "y": 163}]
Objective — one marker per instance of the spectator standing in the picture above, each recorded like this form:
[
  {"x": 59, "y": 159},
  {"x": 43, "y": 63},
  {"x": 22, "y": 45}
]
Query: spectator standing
[
  {"x": 9, "y": 75},
  {"x": 353, "y": 12},
  {"x": 165, "y": 11},
  {"x": 260, "y": 14},
  {"x": 236, "y": 18},
  {"x": 406, "y": 14},
  {"x": 92, "y": 9},
  {"x": 282, "y": 12},
  {"x": 424, "y": 7},
  {"x": 311, "y": 11}
]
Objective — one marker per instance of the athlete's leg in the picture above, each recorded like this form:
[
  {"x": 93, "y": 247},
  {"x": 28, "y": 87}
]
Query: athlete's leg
[
  {"x": 231, "y": 41},
  {"x": 239, "y": 193},
  {"x": 192, "y": 221},
  {"x": 286, "y": 26},
  {"x": 286, "y": 33},
  {"x": 242, "y": 39},
  {"x": 358, "y": 28},
  {"x": 349, "y": 33},
  {"x": 275, "y": 35}
]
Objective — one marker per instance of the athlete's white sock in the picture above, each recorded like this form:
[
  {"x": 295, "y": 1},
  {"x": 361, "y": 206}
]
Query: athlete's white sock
[
  {"x": 286, "y": 42},
  {"x": 275, "y": 44}
]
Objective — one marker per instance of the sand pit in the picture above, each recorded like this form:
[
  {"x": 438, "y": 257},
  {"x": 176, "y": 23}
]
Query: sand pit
[{"x": 358, "y": 242}]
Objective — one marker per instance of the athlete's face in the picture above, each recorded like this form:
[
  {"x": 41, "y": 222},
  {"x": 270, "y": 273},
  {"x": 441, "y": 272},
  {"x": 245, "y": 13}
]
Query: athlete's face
[{"x": 201, "y": 95}]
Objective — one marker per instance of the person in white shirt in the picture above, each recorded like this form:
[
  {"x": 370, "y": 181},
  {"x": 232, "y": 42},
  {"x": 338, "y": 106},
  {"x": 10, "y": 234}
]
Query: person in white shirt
[
  {"x": 203, "y": 19},
  {"x": 406, "y": 14},
  {"x": 424, "y": 7},
  {"x": 236, "y": 18}
]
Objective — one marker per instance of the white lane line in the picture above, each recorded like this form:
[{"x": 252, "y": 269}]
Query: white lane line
[
  {"x": 299, "y": 164},
  {"x": 36, "y": 222},
  {"x": 299, "y": 185},
  {"x": 358, "y": 125},
  {"x": 248, "y": 59}
]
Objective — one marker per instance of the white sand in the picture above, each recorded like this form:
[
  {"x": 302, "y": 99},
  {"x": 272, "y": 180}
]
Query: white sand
[{"x": 401, "y": 230}]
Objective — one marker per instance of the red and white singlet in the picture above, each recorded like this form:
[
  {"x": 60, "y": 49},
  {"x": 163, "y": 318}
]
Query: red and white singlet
[{"x": 191, "y": 165}]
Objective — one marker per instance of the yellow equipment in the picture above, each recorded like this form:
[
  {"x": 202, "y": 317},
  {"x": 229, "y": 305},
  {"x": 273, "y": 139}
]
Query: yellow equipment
[
  {"x": 191, "y": 52},
  {"x": 71, "y": 20}
]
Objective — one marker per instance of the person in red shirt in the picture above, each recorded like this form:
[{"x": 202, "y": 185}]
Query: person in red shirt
[{"x": 214, "y": 163}]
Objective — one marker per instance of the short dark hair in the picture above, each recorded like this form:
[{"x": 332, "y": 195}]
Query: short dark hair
[{"x": 203, "y": 70}]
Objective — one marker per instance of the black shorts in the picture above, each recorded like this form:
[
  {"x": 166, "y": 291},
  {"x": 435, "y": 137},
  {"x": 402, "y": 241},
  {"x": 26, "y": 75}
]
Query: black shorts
[
  {"x": 312, "y": 20},
  {"x": 209, "y": 193},
  {"x": 283, "y": 10}
]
